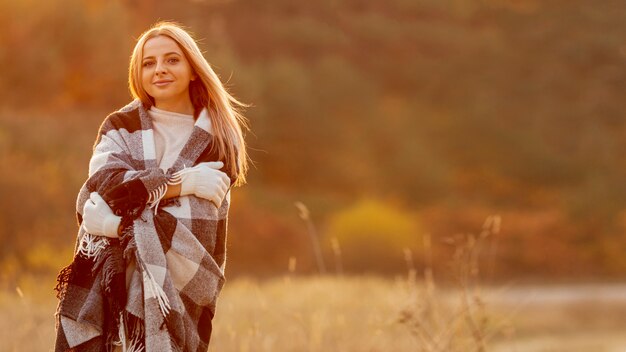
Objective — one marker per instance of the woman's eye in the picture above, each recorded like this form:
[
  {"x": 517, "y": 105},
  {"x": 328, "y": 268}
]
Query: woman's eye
[
  {"x": 173, "y": 60},
  {"x": 146, "y": 64}
]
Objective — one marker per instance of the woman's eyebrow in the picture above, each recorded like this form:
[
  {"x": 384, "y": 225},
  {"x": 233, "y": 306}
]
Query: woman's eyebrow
[{"x": 170, "y": 53}]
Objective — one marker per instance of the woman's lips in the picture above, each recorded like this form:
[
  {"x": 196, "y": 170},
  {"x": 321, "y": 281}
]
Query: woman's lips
[{"x": 162, "y": 84}]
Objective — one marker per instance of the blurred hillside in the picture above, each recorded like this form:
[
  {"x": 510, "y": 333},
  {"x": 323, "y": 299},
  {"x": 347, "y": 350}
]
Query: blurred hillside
[{"x": 440, "y": 112}]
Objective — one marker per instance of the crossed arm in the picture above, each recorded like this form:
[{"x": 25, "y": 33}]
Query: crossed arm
[{"x": 204, "y": 180}]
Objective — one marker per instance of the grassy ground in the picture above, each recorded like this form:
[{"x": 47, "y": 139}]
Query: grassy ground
[{"x": 363, "y": 314}]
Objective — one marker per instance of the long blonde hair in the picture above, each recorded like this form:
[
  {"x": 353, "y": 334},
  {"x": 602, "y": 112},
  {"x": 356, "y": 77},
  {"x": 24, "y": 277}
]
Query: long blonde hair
[{"x": 205, "y": 92}]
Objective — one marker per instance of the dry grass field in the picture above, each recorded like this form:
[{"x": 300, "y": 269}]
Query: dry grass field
[{"x": 369, "y": 314}]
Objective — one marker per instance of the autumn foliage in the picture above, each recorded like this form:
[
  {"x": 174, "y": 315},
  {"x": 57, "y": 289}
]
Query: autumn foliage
[{"x": 441, "y": 113}]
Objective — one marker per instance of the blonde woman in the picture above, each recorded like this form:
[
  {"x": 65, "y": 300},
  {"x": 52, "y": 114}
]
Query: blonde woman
[{"x": 151, "y": 248}]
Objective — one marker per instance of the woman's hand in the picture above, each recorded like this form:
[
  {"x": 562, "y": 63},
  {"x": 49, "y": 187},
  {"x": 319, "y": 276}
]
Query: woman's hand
[
  {"x": 205, "y": 180},
  {"x": 98, "y": 218}
]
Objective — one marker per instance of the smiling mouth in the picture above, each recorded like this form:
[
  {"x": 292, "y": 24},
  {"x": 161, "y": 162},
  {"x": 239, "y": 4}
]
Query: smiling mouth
[{"x": 160, "y": 84}]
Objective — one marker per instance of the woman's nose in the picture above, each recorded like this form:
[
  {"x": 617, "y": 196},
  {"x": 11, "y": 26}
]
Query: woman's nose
[{"x": 160, "y": 69}]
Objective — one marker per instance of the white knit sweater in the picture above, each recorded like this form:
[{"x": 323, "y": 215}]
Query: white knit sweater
[{"x": 171, "y": 132}]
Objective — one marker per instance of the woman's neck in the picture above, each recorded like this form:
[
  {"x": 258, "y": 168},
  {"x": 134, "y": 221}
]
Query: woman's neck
[{"x": 182, "y": 107}]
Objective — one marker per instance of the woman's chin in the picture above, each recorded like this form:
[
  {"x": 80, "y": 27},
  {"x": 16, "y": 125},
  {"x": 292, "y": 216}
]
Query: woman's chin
[{"x": 166, "y": 93}]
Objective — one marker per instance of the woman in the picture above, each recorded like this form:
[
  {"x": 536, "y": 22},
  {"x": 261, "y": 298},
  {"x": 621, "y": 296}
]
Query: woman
[{"x": 150, "y": 254}]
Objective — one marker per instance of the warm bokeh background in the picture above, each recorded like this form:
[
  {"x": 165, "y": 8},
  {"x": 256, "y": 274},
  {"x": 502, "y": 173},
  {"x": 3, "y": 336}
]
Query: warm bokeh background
[{"x": 391, "y": 121}]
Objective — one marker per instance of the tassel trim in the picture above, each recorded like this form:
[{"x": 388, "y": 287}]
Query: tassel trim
[
  {"x": 177, "y": 177},
  {"x": 131, "y": 334},
  {"x": 92, "y": 246},
  {"x": 136, "y": 344},
  {"x": 121, "y": 333},
  {"x": 156, "y": 290},
  {"x": 157, "y": 194}
]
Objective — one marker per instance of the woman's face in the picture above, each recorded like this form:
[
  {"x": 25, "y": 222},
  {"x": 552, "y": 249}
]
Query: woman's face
[{"x": 165, "y": 72}]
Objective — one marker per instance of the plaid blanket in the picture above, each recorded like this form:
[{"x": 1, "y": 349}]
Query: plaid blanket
[{"x": 178, "y": 246}]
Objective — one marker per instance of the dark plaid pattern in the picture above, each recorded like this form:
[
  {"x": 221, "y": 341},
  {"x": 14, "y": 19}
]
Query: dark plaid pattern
[{"x": 179, "y": 251}]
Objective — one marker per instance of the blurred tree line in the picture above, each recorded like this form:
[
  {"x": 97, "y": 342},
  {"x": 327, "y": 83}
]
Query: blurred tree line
[{"x": 445, "y": 111}]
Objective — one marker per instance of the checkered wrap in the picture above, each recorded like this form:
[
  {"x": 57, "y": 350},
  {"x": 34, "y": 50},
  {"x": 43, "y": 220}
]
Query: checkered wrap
[{"x": 179, "y": 251}]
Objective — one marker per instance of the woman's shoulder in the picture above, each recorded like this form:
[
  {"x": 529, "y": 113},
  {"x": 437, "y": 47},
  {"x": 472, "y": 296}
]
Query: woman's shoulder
[{"x": 127, "y": 117}]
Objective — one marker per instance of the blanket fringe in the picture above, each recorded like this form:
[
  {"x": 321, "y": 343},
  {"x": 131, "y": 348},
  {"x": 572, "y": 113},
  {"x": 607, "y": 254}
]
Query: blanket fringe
[
  {"x": 157, "y": 194},
  {"x": 91, "y": 246},
  {"x": 131, "y": 334},
  {"x": 121, "y": 333},
  {"x": 136, "y": 345},
  {"x": 177, "y": 177},
  {"x": 137, "y": 334},
  {"x": 156, "y": 290},
  {"x": 63, "y": 279}
]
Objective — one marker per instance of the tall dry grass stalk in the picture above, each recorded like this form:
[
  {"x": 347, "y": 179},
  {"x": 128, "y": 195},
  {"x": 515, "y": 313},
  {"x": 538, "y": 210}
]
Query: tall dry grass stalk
[
  {"x": 334, "y": 242},
  {"x": 432, "y": 318},
  {"x": 315, "y": 242}
]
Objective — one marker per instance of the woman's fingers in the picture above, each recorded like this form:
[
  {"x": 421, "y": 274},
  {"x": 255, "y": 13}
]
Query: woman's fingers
[
  {"x": 87, "y": 210},
  {"x": 226, "y": 180},
  {"x": 212, "y": 164},
  {"x": 95, "y": 197},
  {"x": 212, "y": 183},
  {"x": 221, "y": 194},
  {"x": 88, "y": 206}
]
